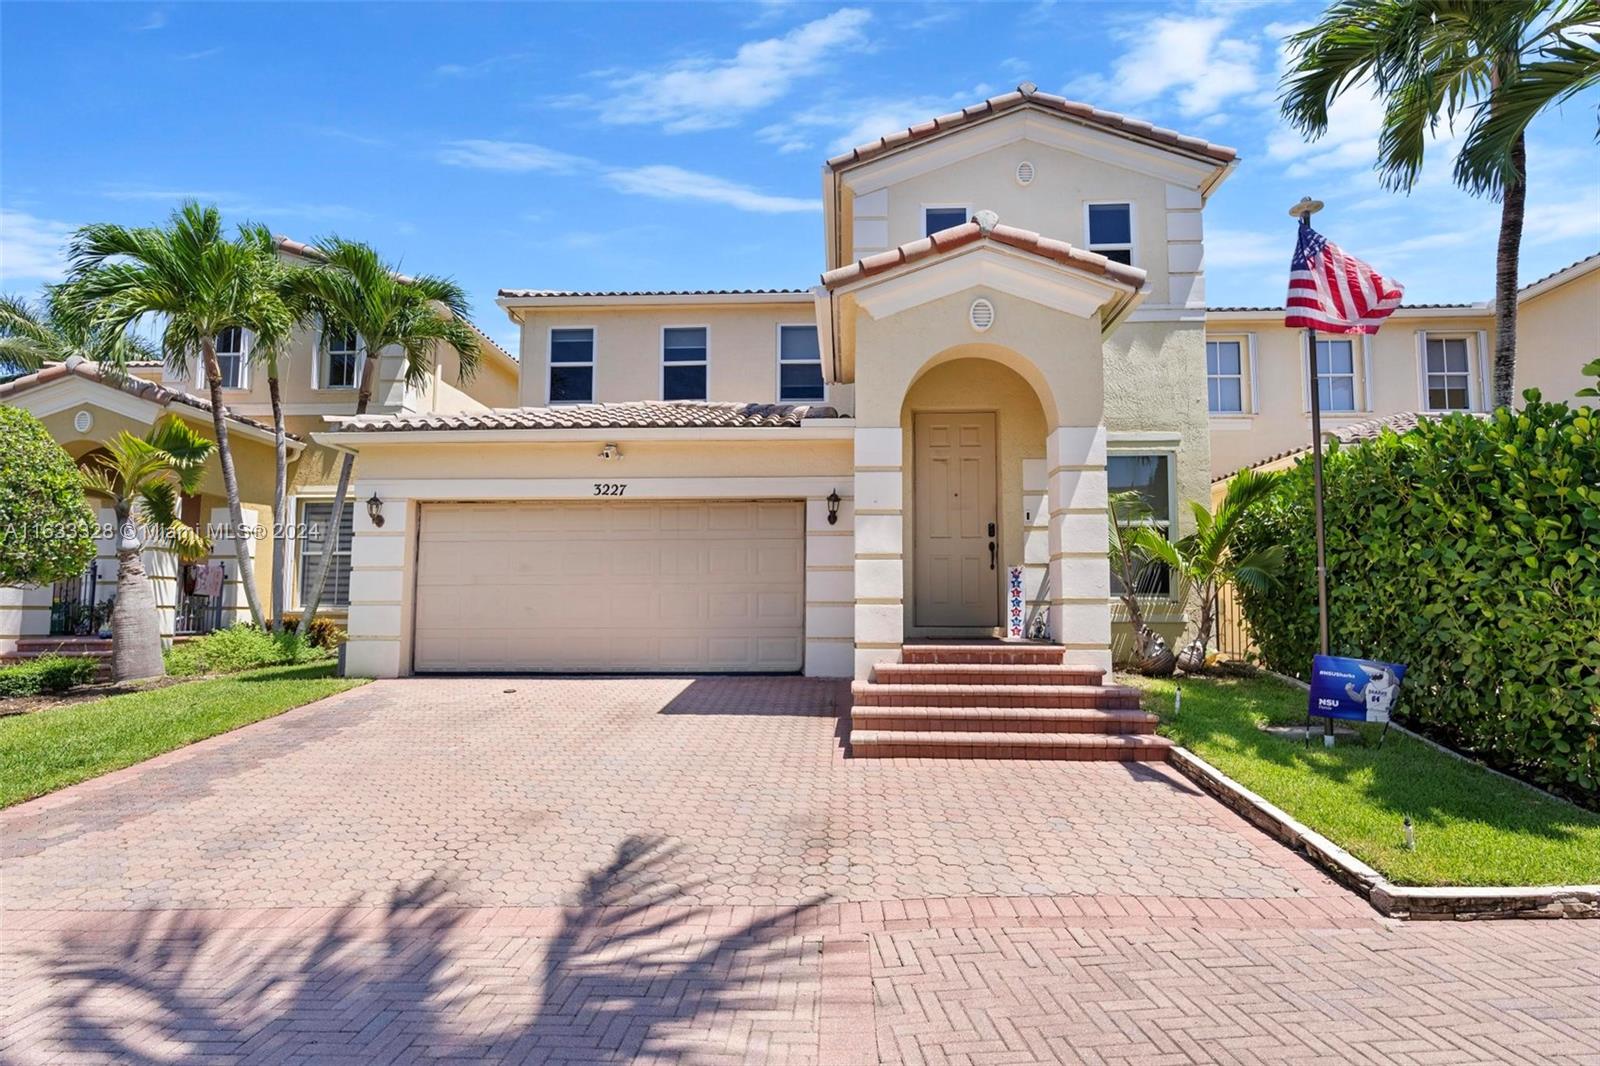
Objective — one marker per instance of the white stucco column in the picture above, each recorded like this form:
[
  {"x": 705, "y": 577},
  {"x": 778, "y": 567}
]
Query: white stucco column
[
  {"x": 830, "y": 585},
  {"x": 879, "y": 547},
  {"x": 161, "y": 566},
  {"x": 235, "y": 607},
  {"x": 376, "y": 624},
  {"x": 1080, "y": 576}
]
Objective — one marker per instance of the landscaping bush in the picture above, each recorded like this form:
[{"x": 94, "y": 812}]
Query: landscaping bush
[
  {"x": 243, "y": 647},
  {"x": 1468, "y": 549},
  {"x": 46, "y": 674},
  {"x": 324, "y": 632}
]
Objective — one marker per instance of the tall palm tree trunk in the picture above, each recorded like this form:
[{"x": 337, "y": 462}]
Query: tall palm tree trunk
[
  {"x": 230, "y": 481},
  {"x": 369, "y": 372},
  {"x": 135, "y": 622},
  {"x": 280, "y": 493},
  {"x": 1512, "y": 206}
]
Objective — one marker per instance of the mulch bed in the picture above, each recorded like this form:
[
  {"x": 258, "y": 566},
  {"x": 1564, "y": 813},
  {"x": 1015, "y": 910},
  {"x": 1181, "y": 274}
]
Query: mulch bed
[{"x": 82, "y": 694}]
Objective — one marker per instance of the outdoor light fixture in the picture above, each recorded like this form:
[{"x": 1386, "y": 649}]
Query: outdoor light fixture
[
  {"x": 375, "y": 510},
  {"x": 833, "y": 508}
]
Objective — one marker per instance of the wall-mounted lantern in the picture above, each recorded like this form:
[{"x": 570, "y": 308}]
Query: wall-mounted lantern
[
  {"x": 833, "y": 508},
  {"x": 375, "y": 510}
]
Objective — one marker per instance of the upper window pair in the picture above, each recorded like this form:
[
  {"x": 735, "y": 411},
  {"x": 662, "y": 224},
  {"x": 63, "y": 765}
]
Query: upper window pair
[{"x": 684, "y": 364}]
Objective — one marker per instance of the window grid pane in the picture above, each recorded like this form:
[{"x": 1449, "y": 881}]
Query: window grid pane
[
  {"x": 942, "y": 218},
  {"x": 572, "y": 346},
  {"x": 571, "y": 384},
  {"x": 1148, "y": 476},
  {"x": 1225, "y": 377},
  {"x": 1110, "y": 224},
  {"x": 684, "y": 382},
  {"x": 683, "y": 345},
  {"x": 799, "y": 364}
]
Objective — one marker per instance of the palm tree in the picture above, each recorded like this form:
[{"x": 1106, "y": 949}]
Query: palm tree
[
  {"x": 32, "y": 335},
  {"x": 200, "y": 283},
  {"x": 1129, "y": 559},
  {"x": 1500, "y": 63},
  {"x": 142, "y": 477},
  {"x": 1204, "y": 561},
  {"x": 353, "y": 290}
]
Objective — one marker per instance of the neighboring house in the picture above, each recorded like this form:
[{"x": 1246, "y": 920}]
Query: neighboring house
[
  {"x": 1430, "y": 358},
  {"x": 83, "y": 408},
  {"x": 1011, "y": 323}
]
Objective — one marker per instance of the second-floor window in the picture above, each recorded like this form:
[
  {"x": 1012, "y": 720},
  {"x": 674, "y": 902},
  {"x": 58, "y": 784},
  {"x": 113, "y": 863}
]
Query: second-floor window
[
  {"x": 1336, "y": 375},
  {"x": 1447, "y": 374},
  {"x": 799, "y": 365},
  {"x": 230, "y": 357},
  {"x": 341, "y": 361},
  {"x": 1224, "y": 377},
  {"x": 1110, "y": 228},
  {"x": 683, "y": 363},
  {"x": 935, "y": 219},
  {"x": 572, "y": 365}
]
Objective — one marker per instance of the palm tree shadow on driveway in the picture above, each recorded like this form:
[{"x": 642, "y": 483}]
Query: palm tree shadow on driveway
[{"x": 630, "y": 972}]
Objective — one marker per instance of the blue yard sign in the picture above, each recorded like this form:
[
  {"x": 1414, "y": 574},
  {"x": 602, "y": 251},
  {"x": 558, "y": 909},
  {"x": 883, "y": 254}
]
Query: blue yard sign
[{"x": 1359, "y": 690}]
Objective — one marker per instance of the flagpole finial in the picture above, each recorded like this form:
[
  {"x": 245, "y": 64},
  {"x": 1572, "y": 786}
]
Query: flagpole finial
[{"x": 1305, "y": 208}]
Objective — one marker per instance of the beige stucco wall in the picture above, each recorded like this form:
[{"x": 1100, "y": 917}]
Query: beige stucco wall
[
  {"x": 1557, "y": 333},
  {"x": 1388, "y": 380},
  {"x": 741, "y": 348}
]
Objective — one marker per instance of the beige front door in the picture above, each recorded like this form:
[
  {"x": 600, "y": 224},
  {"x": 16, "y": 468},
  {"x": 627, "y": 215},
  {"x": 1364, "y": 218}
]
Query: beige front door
[
  {"x": 611, "y": 585},
  {"x": 956, "y": 585}
]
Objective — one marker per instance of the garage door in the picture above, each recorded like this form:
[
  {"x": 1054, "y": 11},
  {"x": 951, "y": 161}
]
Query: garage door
[{"x": 650, "y": 585}]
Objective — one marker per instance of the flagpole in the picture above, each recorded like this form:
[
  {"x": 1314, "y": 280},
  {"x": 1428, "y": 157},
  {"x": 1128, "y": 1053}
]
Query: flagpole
[{"x": 1303, "y": 211}]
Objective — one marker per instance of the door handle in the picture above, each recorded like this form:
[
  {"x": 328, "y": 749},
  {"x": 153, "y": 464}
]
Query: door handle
[{"x": 991, "y": 555}]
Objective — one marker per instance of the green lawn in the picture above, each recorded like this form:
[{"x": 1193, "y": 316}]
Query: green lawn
[
  {"x": 47, "y": 750},
  {"x": 1472, "y": 827}
]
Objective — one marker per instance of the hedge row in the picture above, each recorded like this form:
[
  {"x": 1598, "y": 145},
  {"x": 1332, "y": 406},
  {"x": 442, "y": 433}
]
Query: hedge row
[
  {"x": 1468, "y": 549},
  {"x": 46, "y": 674}
]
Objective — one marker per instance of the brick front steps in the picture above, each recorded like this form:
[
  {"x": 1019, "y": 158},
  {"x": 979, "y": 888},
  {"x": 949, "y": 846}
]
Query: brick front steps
[
  {"x": 97, "y": 648},
  {"x": 997, "y": 701}
]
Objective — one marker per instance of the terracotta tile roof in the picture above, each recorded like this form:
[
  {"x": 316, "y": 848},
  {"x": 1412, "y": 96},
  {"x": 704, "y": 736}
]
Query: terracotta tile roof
[
  {"x": 1585, "y": 261},
  {"x": 1354, "y": 433},
  {"x": 648, "y": 414},
  {"x": 984, "y": 227},
  {"x": 1028, "y": 95},
  {"x": 145, "y": 390},
  {"x": 556, "y": 293}
]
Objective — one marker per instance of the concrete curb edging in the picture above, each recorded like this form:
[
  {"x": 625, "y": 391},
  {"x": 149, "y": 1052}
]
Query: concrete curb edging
[{"x": 1390, "y": 900}]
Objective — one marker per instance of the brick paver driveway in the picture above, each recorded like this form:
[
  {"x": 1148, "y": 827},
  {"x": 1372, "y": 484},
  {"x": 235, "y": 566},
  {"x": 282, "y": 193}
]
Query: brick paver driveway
[{"x": 674, "y": 870}]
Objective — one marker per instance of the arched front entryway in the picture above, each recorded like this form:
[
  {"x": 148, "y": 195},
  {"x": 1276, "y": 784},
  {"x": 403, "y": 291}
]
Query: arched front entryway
[{"x": 974, "y": 435}]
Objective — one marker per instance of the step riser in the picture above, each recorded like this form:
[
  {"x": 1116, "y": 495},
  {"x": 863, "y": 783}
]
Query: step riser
[
  {"x": 865, "y": 719},
  {"x": 1001, "y": 751},
  {"x": 981, "y": 674},
  {"x": 982, "y": 654},
  {"x": 999, "y": 697}
]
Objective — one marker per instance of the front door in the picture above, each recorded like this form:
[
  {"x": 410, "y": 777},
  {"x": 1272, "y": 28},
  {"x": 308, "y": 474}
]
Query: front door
[{"x": 955, "y": 511}]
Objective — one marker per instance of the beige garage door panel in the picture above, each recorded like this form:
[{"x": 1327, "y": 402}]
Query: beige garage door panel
[{"x": 611, "y": 585}]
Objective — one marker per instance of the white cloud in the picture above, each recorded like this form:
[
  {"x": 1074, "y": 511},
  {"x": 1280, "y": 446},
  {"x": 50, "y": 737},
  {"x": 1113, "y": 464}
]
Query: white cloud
[
  {"x": 1351, "y": 141},
  {"x": 155, "y": 20},
  {"x": 664, "y": 182},
  {"x": 1187, "y": 57},
  {"x": 479, "y": 67},
  {"x": 1234, "y": 248},
  {"x": 705, "y": 93},
  {"x": 32, "y": 248},
  {"x": 511, "y": 156},
  {"x": 235, "y": 203},
  {"x": 847, "y": 123}
]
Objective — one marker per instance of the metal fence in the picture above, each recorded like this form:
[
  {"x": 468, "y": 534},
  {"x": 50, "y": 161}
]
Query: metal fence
[
  {"x": 197, "y": 614},
  {"x": 1233, "y": 636},
  {"x": 76, "y": 609}
]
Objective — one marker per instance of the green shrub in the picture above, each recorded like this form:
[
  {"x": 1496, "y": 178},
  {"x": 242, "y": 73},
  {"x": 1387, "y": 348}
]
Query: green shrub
[
  {"x": 46, "y": 525},
  {"x": 1468, "y": 549},
  {"x": 243, "y": 647},
  {"x": 48, "y": 673},
  {"x": 324, "y": 632}
]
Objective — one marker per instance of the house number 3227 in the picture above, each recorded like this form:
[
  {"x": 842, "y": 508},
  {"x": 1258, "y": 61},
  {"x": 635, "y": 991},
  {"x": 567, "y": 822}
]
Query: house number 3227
[{"x": 609, "y": 488}]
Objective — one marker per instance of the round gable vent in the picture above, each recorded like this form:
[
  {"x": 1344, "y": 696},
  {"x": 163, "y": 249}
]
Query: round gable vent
[
  {"x": 83, "y": 421},
  {"x": 1024, "y": 173},
  {"x": 981, "y": 315}
]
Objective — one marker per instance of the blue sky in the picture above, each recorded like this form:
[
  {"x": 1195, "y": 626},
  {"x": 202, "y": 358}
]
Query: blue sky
[{"x": 678, "y": 145}]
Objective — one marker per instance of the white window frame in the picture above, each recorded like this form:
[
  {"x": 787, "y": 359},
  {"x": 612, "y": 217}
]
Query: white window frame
[
  {"x": 1132, "y": 247},
  {"x": 293, "y": 576},
  {"x": 246, "y": 342},
  {"x": 1135, "y": 449},
  {"x": 1360, "y": 370},
  {"x": 318, "y": 364},
  {"x": 942, "y": 207},
  {"x": 779, "y": 360},
  {"x": 705, "y": 362},
  {"x": 1247, "y": 392},
  {"x": 550, "y": 365},
  {"x": 1470, "y": 339}
]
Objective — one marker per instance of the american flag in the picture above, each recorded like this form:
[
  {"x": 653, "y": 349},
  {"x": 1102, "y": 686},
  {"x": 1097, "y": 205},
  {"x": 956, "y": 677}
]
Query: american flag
[{"x": 1333, "y": 292}]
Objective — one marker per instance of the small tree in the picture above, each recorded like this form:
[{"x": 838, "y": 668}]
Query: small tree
[
  {"x": 46, "y": 526},
  {"x": 1129, "y": 514},
  {"x": 1204, "y": 561},
  {"x": 142, "y": 477}
]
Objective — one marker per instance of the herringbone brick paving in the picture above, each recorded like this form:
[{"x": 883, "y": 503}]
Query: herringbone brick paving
[{"x": 665, "y": 870}]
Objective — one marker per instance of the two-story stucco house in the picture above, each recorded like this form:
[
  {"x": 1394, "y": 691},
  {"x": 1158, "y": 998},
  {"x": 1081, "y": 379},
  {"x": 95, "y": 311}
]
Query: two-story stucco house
[{"x": 1011, "y": 323}]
